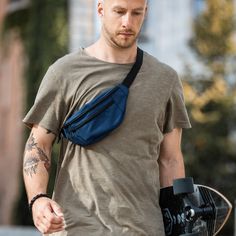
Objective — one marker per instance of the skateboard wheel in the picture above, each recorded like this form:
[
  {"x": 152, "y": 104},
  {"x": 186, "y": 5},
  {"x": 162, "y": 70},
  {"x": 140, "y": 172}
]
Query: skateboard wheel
[{"x": 183, "y": 186}]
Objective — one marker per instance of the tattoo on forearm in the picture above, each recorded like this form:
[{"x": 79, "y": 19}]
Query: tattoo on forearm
[
  {"x": 30, "y": 145},
  {"x": 43, "y": 157},
  {"x": 31, "y": 163}
]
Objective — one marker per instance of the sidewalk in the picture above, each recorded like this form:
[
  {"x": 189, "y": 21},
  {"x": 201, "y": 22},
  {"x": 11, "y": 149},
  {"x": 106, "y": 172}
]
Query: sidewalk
[{"x": 18, "y": 231}]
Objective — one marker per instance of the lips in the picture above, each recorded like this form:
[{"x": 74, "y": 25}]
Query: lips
[{"x": 126, "y": 33}]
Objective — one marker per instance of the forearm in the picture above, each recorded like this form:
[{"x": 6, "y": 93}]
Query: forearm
[
  {"x": 36, "y": 167},
  {"x": 170, "y": 169},
  {"x": 171, "y": 164},
  {"x": 47, "y": 214}
]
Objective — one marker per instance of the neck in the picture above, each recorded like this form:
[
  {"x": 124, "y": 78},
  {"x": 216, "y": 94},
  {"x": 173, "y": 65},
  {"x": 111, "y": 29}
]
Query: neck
[{"x": 112, "y": 54}]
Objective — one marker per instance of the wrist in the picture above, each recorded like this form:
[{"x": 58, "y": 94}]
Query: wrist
[{"x": 37, "y": 196}]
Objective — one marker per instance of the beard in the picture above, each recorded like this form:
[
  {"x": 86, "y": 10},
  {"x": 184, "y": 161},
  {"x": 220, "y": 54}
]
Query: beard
[{"x": 118, "y": 40}]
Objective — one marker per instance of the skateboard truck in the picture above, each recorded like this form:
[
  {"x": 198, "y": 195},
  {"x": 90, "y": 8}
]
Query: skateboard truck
[
  {"x": 185, "y": 187},
  {"x": 193, "y": 213}
]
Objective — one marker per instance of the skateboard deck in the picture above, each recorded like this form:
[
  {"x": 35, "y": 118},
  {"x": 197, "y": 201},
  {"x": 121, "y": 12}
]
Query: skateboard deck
[{"x": 195, "y": 210}]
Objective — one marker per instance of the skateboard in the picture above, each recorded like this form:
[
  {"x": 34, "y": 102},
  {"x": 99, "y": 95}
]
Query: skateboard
[{"x": 190, "y": 209}]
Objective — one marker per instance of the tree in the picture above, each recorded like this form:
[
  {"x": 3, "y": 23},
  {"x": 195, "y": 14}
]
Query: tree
[
  {"x": 209, "y": 147},
  {"x": 214, "y": 39}
]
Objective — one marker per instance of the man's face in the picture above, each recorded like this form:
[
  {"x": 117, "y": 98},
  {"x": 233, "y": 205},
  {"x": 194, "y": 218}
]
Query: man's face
[{"x": 122, "y": 21}]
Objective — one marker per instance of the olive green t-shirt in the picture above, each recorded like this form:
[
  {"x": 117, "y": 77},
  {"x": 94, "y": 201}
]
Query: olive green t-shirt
[{"x": 111, "y": 187}]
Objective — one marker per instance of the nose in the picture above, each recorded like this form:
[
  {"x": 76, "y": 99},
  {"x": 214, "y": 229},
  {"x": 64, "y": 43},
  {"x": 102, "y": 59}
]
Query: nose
[{"x": 126, "y": 20}]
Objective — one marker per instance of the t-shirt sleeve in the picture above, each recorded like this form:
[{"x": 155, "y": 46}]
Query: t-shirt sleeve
[
  {"x": 176, "y": 115},
  {"x": 48, "y": 110}
]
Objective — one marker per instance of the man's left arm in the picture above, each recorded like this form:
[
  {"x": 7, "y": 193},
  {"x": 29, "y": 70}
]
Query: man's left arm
[{"x": 171, "y": 163}]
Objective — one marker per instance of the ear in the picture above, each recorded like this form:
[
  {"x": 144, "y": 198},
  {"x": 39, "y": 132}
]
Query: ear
[
  {"x": 146, "y": 9},
  {"x": 100, "y": 8}
]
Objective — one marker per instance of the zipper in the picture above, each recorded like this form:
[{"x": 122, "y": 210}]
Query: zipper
[
  {"x": 93, "y": 116},
  {"x": 89, "y": 109}
]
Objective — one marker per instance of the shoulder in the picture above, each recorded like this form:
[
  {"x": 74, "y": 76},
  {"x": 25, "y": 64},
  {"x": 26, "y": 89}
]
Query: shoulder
[
  {"x": 159, "y": 70},
  {"x": 64, "y": 64},
  {"x": 153, "y": 63},
  {"x": 59, "y": 73}
]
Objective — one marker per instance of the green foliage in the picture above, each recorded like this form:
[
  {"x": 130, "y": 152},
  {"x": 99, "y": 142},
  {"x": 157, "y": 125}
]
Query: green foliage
[
  {"x": 17, "y": 21},
  {"x": 47, "y": 40},
  {"x": 214, "y": 30},
  {"x": 209, "y": 148},
  {"x": 210, "y": 151}
]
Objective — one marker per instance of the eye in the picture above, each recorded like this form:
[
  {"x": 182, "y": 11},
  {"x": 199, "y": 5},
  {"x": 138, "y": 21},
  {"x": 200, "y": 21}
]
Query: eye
[
  {"x": 137, "y": 13},
  {"x": 119, "y": 12}
]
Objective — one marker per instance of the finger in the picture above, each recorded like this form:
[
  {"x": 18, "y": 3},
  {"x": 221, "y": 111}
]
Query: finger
[
  {"x": 49, "y": 227},
  {"x": 51, "y": 217},
  {"x": 45, "y": 230},
  {"x": 57, "y": 209},
  {"x": 49, "y": 224},
  {"x": 41, "y": 227},
  {"x": 53, "y": 231}
]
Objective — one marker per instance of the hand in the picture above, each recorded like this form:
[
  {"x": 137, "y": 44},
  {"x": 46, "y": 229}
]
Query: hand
[{"x": 47, "y": 216}]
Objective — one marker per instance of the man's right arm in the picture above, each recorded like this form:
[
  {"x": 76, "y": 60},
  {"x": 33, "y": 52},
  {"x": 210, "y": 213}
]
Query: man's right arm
[{"x": 47, "y": 215}]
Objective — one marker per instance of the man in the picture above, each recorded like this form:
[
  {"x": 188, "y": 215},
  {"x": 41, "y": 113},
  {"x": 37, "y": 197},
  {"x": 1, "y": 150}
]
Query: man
[{"x": 111, "y": 187}]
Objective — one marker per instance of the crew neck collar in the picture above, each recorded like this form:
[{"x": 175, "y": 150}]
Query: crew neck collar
[{"x": 83, "y": 51}]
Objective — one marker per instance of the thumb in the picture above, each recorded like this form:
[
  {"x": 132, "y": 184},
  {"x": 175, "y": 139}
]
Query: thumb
[{"x": 56, "y": 209}]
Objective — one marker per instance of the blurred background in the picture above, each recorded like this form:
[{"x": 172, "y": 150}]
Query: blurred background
[{"x": 195, "y": 37}]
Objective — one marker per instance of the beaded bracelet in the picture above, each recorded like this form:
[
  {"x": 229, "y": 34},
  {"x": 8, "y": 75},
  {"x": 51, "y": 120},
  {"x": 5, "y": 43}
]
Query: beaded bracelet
[{"x": 35, "y": 198}]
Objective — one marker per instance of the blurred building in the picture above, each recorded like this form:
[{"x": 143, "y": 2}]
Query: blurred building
[
  {"x": 11, "y": 108},
  {"x": 166, "y": 31}
]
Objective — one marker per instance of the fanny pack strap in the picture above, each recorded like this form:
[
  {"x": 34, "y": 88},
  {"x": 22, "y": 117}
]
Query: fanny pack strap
[{"x": 134, "y": 70}]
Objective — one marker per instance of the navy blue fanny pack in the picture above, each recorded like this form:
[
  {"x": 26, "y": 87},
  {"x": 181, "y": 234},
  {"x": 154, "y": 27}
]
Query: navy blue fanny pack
[{"x": 96, "y": 119}]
